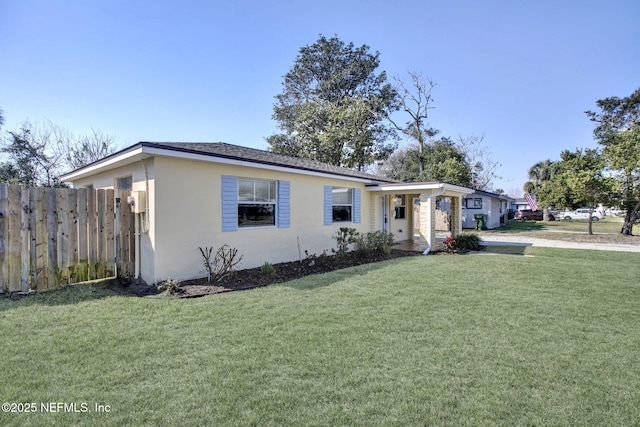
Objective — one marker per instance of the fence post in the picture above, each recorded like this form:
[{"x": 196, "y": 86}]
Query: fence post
[
  {"x": 25, "y": 215},
  {"x": 62, "y": 234},
  {"x": 14, "y": 228},
  {"x": 92, "y": 216},
  {"x": 52, "y": 264},
  {"x": 4, "y": 211},
  {"x": 83, "y": 242}
]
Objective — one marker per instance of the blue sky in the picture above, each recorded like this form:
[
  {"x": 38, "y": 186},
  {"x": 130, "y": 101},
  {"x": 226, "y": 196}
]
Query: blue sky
[{"x": 521, "y": 73}]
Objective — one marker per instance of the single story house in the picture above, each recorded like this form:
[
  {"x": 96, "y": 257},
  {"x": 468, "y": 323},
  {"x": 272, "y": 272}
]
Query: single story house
[
  {"x": 520, "y": 204},
  {"x": 270, "y": 207},
  {"x": 494, "y": 206}
]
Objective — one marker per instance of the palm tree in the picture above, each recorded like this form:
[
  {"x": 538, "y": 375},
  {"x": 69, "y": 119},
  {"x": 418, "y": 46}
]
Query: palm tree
[{"x": 540, "y": 173}]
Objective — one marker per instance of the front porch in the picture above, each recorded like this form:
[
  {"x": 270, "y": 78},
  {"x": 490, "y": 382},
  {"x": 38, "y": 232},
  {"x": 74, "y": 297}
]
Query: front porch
[
  {"x": 417, "y": 245},
  {"x": 408, "y": 210}
]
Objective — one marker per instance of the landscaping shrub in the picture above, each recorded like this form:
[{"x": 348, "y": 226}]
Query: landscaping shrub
[
  {"x": 449, "y": 245},
  {"x": 467, "y": 241},
  {"x": 376, "y": 242},
  {"x": 346, "y": 236}
]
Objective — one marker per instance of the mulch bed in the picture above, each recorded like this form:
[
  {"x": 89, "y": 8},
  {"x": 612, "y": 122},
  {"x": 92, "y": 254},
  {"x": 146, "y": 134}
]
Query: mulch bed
[{"x": 255, "y": 278}]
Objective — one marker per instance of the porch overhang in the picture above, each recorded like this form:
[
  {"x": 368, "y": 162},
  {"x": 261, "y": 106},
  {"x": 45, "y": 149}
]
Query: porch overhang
[
  {"x": 427, "y": 193},
  {"x": 421, "y": 187}
]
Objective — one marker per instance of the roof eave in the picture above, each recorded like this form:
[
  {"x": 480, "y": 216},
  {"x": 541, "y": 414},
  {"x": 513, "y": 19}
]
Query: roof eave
[
  {"x": 145, "y": 150},
  {"x": 419, "y": 186}
]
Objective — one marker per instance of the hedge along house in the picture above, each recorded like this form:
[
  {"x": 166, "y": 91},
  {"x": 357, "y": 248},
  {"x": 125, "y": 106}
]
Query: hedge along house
[{"x": 270, "y": 207}]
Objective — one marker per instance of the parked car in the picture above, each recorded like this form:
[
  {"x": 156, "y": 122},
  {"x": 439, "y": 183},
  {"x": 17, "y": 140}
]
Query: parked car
[
  {"x": 528, "y": 214},
  {"x": 580, "y": 214}
]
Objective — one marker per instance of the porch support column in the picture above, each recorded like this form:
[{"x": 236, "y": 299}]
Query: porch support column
[
  {"x": 456, "y": 215},
  {"x": 428, "y": 219}
]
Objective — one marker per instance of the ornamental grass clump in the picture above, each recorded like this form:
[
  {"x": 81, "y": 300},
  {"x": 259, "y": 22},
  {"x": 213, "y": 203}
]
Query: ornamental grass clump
[{"x": 267, "y": 268}]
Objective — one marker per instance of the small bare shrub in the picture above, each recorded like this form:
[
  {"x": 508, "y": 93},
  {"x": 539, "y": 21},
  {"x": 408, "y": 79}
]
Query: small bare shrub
[{"x": 222, "y": 264}]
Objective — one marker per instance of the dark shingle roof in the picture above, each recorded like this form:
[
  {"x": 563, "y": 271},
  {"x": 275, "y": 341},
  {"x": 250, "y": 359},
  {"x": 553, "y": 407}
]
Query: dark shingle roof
[{"x": 236, "y": 152}]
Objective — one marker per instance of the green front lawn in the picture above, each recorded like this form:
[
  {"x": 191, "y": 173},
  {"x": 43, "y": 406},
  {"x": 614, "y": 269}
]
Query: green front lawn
[{"x": 551, "y": 339}]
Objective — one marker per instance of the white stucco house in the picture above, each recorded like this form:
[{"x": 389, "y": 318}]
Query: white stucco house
[
  {"x": 268, "y": 206},
  {"x": 494, "y": 206}
]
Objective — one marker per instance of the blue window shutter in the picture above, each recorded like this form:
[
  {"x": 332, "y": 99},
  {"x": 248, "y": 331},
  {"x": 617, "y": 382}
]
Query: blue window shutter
[
  {"x": 229, "y": 203},
  {"x": 284, "y": 205},
  {"x": 328, "y": 205},
  {"x": 356, "y": 205}
]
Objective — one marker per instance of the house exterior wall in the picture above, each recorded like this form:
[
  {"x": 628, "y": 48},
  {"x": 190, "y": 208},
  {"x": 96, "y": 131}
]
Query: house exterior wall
[
  {"x": 188, "y": 215},
  {"x": 184, "y": 213}
]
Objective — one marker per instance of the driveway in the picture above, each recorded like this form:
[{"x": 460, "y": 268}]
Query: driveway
[{"x": 516, "y": 240}]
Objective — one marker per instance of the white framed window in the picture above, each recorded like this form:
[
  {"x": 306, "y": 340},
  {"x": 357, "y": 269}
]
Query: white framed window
[
  {"x": 256, "y": 202},
  {"x": 473, "y": 203}
]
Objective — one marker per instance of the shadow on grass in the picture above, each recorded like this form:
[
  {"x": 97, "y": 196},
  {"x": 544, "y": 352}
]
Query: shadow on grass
[
  {"x": 519, "y": 227},
  {"x": 322, "y": 280},
  {"x": 506, "y": 249},
  {"x": 67, "y": 295}
]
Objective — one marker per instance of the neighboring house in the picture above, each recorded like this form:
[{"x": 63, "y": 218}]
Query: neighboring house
[
  {"x": 270, "y": 207},
  {"x": 521, "y": 204},
  {"x": 494, "y": 206}
]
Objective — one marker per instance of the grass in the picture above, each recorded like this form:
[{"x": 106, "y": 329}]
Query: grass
[
  {"x": 605, "y": 231},
  {"x": 439, "y": 340}
]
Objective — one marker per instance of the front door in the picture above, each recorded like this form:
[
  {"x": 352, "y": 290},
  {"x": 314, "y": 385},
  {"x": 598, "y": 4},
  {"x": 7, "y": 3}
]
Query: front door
[{"x": 384, "y": 213}]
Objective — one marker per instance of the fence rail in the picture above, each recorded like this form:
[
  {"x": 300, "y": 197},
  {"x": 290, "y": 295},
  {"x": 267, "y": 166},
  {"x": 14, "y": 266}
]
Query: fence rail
[{"x": 51, "y": 237}]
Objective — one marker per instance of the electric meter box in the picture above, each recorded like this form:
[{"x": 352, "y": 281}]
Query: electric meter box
[{"x": 138, "y": 201}]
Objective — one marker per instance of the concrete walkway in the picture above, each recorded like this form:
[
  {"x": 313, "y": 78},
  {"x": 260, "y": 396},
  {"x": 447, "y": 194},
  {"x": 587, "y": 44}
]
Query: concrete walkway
[{"x": 515, "y": 240}]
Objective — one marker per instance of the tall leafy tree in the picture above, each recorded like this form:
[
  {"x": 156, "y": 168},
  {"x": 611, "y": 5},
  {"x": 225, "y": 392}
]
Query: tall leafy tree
[
  {"x": 441, "y": 160},
  {"x": 618, "y": 132},
  {"x": 333, "y": 105},
  {"x": 579, "y": 179}
]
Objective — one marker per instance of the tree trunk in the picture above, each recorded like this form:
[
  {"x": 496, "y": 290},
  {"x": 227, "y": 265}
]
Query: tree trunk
[
  {"x": 627, "y": 226},
  {"x": 629, "y": 219},
  {"x": 590, "y": 223},
  {"x": 545, "y": 214}
]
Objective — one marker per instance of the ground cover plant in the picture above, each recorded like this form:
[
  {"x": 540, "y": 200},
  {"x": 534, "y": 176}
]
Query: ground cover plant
[{"x": 549, "y": 339}]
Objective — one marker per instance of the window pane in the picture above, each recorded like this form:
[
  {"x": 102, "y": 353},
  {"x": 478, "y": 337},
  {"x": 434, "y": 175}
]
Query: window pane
[
  {"x": 255, "y": 215},
  {"x": 265, "y": 191},
  {"x": 245, "y": 190},
  {"x": 341, "y": 213},
  {"x": 342, "y": 196},
  {"x": 252, "y": 190},
  {"x": 124, "y": 184}
]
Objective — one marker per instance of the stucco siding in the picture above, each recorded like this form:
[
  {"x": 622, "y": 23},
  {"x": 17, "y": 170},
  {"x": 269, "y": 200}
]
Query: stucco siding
[{"x": 188, "y": 215}]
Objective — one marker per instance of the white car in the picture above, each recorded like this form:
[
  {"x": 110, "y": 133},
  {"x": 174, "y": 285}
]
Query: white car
[{"x": 580, "y": 214}]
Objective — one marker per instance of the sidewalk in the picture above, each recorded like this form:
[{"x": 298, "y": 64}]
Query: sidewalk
[{"x": 515, "y": 240}]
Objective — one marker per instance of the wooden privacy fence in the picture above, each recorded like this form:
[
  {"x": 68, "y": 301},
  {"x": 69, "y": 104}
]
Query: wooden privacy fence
[{"x": 50, "y": 237}]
